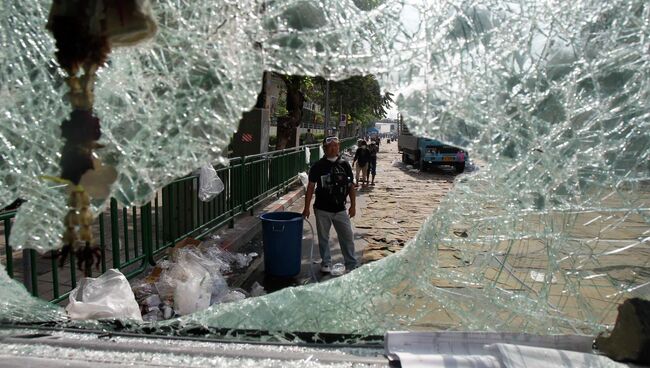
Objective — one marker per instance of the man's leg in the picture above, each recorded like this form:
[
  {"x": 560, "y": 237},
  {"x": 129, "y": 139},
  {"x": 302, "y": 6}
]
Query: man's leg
[
  {"x": 323, "y": 225},
  {"x": 343, "y": 227},
  {"x": 358, "y": 169},
  {"x": 364, "y": 169}
]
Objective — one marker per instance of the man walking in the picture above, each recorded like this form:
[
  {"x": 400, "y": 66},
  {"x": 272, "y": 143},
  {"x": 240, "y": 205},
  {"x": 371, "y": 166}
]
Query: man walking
[
  {"x": 309, "y": 137},
  {"x": 373, "y": 161},
  {"x": 331, "y": 179},
  {"x": 362, "y": 158}
]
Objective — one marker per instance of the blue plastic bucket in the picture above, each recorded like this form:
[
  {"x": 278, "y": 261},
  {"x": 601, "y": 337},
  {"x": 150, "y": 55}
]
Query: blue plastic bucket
[{"x": 282, "y": 237}]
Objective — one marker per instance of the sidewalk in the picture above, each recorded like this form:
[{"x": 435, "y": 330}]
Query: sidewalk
[{"x": 388, "y": 215}]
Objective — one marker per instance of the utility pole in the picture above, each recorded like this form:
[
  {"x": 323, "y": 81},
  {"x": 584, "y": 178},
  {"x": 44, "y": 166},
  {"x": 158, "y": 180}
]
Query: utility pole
[
  {"x": 340, "y": 114},
  {"x": 327, "y": 106}
]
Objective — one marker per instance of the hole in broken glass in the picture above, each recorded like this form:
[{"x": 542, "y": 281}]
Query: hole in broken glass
[{"x": 552, "y": 99}]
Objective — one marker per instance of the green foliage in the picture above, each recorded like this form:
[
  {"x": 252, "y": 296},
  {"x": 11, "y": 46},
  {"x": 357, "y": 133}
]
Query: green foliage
[
  {"x": 318, "y": 137},
  {"x": 358, "y": 96}
]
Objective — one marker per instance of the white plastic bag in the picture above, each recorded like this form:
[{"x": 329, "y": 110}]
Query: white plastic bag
[
  {"x": 108, "y": 296},
  {"x": 304, "y": 179},
  {"x": 210, "y": 184},
  {"x": 193, "y": 286},
  {"x": 338, "y": 269}
]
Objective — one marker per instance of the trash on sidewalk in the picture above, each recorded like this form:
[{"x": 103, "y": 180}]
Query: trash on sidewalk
[
  {"x": 191, "y": 280},
  {"x": 257, "y": 289},
  {"x": 193, "y": 289},
  {"x": 210, "y": 184},
  {"x": 107, "y": 296},
  {"x": 338, "y": 269},
  {"x": 187, "y": 242},
  {"x": 303, "y": 179}
]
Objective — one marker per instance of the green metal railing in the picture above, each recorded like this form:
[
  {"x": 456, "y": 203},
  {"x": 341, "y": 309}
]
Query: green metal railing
[{"x": 131, "y": 239}]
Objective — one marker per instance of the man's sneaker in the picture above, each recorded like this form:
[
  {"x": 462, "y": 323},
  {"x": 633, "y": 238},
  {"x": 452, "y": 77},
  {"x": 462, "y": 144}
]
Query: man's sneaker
[{"x": 325, "y": 268}]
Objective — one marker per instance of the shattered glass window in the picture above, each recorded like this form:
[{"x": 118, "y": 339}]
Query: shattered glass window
[{"x": 552, "y": 97}]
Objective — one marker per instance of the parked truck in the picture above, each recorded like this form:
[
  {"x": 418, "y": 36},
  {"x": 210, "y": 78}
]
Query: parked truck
[{"x": 427, "y": 152}]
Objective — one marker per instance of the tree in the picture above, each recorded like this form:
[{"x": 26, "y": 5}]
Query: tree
[
  {"x": 359, "y": 96},
  {"x": 288, "y": 124}
]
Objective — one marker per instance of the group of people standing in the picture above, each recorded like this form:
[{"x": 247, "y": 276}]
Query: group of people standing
[{"x": 365, "y": 159}]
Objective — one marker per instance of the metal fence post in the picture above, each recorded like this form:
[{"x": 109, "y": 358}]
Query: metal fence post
[
  {"x": 242, "y": 184},
  {"x": 115, "y": 234},
  {"x": 27, "y": 271},
  {"x": 147, "y": 231}
]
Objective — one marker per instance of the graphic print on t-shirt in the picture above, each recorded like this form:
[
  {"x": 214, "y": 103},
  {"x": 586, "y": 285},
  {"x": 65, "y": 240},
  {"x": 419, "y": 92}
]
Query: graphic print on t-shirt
[{"x": 335, "y": 183}]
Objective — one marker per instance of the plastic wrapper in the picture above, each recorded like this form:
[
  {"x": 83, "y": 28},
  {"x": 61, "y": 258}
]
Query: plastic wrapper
[
  {"x": 193, "y": 287},
  {"x": 338, "y": 269},
  {"x": 108, "y": 296},
  {"x": 210, "y": 184}
]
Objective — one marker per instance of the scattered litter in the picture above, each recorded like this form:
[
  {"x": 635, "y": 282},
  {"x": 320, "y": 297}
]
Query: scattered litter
[
  {"x": 152, "y": 300},
  {"x": 185, "y": 243},
  {"x": 257, "y": 289},
  {"x": 168, "y": 312},
  {"x": 414, "y": 170},
  {"x": 107, "y": 296},
  {"x": 194, "y": 292},
  {"x": 191, "y": 279},
  {"x": 541, "y": 277},
  {"x": 154, "y": 315},
  {"x": 409, "y": 167},
  {"x": 219, "y": 289},
  {"x": 233, "y": 296},
  {"x": 210, "y": 184},
  {"x": 338, "y": 269}
]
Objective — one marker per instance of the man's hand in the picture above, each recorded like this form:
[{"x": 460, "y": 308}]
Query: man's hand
[
  {"x": 352, "y": 211},
  {"x": 306, "y": 212}
]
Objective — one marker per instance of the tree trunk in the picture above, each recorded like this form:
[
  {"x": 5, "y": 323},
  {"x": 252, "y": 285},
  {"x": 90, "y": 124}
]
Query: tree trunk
[{"x": 288, "y": 125}]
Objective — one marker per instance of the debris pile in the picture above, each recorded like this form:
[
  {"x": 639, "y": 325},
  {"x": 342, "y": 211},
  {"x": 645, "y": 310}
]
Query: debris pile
[{"x": 192, "y": 278}]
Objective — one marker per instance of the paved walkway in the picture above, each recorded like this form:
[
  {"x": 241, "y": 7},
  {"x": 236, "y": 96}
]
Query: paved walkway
[{"x": 388, "y": 215}]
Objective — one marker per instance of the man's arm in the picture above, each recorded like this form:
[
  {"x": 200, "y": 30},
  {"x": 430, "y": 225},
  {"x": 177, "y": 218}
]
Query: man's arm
[
  {"x": 308, "y": 195},
  {"x": 353, "y": 201}
]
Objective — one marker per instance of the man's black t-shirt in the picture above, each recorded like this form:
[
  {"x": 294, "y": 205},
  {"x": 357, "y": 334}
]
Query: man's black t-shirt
[
  {"x": 362, "y": 155},
  {"x": 333, "y": 180}
]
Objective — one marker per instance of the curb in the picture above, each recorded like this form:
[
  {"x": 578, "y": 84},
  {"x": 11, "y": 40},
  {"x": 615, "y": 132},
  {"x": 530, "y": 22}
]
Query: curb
[{"x": 248, "y": 227}]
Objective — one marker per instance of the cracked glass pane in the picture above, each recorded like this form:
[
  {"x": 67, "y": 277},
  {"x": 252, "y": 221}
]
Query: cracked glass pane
[{"x": 551, "y": 98}]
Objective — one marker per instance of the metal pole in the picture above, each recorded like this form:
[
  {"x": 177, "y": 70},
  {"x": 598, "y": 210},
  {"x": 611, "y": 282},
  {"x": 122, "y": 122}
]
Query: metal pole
[
  {"x": 27, "y": 270},
  {"x": 327, "y": 105},
  {"x": 340, "y": 113}
]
